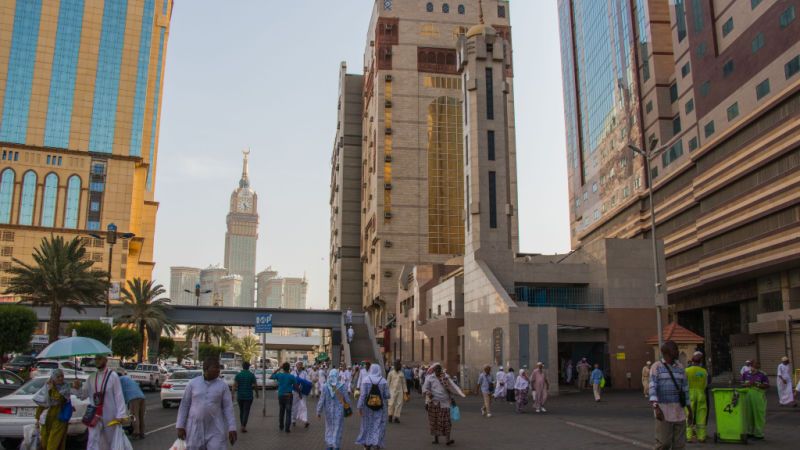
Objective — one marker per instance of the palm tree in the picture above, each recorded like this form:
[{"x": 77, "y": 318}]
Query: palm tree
[
  {"x": 60, "y": 277},
  {"x": 145, "y": 311},
  {"x": 207, "y": 332},
  {"x": 181, "y": 352},
  {"x": 247, "y": 346}
]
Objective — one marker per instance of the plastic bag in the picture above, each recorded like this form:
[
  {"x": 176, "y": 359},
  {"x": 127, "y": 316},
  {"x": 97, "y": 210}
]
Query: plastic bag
[
  {"x": 179, "y": 444},
  {"x": 120, "y": 441},
  {"x": 602, "y": 382},
  {"x": 455, "y": 413},
  {"x": 42, "y": 396},
  {"x": 31, "y": 441}
]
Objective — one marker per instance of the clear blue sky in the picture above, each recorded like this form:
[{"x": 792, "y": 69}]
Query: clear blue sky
[{"x": 264, "y": 74}]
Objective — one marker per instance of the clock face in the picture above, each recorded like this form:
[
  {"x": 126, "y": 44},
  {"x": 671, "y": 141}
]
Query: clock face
[{"x": 245, "y": 204}]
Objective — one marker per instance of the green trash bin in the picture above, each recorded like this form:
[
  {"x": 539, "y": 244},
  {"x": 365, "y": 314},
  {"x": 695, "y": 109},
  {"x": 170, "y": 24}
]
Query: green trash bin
[{"x": 732, "y": 415}]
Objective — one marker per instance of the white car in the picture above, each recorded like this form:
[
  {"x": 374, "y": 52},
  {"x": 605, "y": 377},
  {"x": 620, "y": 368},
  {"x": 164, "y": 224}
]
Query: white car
[
  {"x": 45, "y": 367},
  {"x": 271, "y": 384},
  {"x": 18, "y": 409},
  {"x": 228, "y": 377},
  {"x": 172, "y": 389}
]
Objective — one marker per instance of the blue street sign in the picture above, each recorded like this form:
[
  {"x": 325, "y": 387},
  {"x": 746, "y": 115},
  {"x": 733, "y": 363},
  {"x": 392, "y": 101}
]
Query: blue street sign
[{"x": 263, "y": 323}]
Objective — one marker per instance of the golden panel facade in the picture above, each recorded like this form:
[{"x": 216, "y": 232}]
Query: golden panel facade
[{"x": 445, "y": 176}]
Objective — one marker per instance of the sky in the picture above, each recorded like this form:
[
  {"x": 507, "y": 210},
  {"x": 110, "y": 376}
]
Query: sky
[{"x": 264, "y": 75}]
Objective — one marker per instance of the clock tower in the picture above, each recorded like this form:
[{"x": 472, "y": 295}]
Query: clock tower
[{"x": 242, "y": 234}]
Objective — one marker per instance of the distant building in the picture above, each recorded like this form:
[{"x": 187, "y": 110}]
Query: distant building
[
  {"x": 265, "y": 291},
  {"x": 229, "y": 291},
  {"x": 242, "y": 235},
  {"x": 181, "y": 280},
  {"x": 210, "y": 278},
  {"x": 278, "y": 292}
]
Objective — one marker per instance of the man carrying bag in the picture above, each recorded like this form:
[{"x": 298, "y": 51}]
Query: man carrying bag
[{"x": 669, "y": 392}]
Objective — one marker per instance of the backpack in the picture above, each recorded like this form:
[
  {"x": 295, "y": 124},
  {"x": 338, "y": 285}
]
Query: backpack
[{"x": 374, "y": 398}]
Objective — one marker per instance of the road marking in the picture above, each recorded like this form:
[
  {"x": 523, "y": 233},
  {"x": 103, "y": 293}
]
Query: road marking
[
  {"x": 160, "y": 429},
  {"x": 628, "y": 441}
]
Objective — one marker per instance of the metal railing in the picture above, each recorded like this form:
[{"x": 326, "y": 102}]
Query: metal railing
[{"x": 568, "y": 297}]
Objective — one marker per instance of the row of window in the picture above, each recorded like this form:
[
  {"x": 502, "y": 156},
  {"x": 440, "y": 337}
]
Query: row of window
[
  {"x": 27, "y": 199},
  {"x": 10, "y": 155}
]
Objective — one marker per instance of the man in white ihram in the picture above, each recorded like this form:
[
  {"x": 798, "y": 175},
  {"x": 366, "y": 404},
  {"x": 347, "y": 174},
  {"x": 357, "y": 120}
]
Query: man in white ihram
[
  {"x": 205, "y": 419},
  {"x": 103, "y": 391}
]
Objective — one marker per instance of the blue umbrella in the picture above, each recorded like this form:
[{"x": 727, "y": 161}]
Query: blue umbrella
[{"x": 73, "y": 347}]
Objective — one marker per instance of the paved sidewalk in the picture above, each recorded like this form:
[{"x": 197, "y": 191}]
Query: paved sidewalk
[{"x": 622, "y": 420}]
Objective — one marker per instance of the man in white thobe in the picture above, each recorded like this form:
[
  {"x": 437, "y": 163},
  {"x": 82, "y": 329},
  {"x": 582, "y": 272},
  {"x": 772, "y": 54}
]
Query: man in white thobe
[
  {"x": 350, "y": 334},
  {"x": 103, "y": 387},
  {"x": 205, "y": 418},
  {"x": 745, "y": 369},
  {"x": 785, "y": 394},
  {"x": 299, "y": 407},
  {"x": 313, "y": 373},
  {"x": 346, "y": 377},
  {"x": 500, "y": 389},
  {"x": 348, "y": 316},
  {"x": 322, "y": 378}
]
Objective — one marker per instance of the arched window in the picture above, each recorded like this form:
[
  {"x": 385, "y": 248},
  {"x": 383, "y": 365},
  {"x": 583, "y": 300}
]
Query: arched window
[
  {"x": 461, "y": 9},
  {"x": 429, "y": 7},
  {"x": 6, "y": 195},
  {"x": 445, "y": 8},
  {"x": 28, "y": 198},
  {"x": 73, "y": 202},
  {"x": 49, "y": 200}
]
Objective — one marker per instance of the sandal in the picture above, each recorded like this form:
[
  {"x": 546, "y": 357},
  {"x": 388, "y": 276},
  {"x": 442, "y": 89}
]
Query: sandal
[{"x": 450, "y": 442}]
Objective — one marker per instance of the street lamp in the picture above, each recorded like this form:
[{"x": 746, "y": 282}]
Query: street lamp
[
  {"x": 111, "y": 238},
  {"x": 660, "y": 297},
  {"x": 197, "y": 292}
]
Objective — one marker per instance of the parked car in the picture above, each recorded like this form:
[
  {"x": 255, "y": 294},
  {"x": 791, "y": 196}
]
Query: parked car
[
  {"x": 173, "y": 387},
  {"x": 129, "y": 365},
  {"x": 9, "y": 382},
  {"x": 149, "y": 375},
  {"x": 21, "y": 364},
  {"x": 271, "y": 384},
  {"x": 45, "y": 367},
  {"x": 18, "y": 408},
  {"x": 227, "y": 376},
  {"x": 88, "y": 365}
]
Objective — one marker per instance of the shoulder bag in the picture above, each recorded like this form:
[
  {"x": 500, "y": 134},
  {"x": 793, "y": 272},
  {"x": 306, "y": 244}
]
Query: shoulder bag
[
  {"x": 348, "y": 411},
  {"x": 681, "y": 394},
  {"x": 94, "y": 410}
]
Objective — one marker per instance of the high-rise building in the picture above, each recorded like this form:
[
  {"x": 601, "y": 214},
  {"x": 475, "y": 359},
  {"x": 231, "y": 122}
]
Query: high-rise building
[
  {"x": 717, "y": 84},
  {"x": 229, "y": 291},
  {"x": 264, "y": 298},
  {"x": 210, "y": 279},
  {"x": 280, "y": 292},
  {"x": 294, "y": 293},
  {"x": 80, "y": 99},
  {"x": 412, "y": 163},
  {"x": 183, "y": 279},
  {"x": 242, "y": 234},
  {"x": 345, "y": 288}
]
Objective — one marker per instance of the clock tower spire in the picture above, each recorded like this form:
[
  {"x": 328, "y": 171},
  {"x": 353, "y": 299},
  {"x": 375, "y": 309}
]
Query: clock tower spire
[{"x": 242, "y": 234}]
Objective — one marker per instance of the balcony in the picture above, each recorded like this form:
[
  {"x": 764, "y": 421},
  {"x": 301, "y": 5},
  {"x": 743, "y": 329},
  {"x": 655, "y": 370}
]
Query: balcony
[{"x": 569, "y": 297}]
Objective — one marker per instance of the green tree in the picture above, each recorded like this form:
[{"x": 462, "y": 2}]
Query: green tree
[
  {"x": 181, "y": 352},
  {"x": 166, "y": 347},
  {"x": 93, "y": 329},
  {"x": 206, "y": 332},
  {"x": 125, "y": 342},
  {"x": 61, "y": 276},
  {"x": 247, "y": 346},
  {"x": 17, "y": 324},
  {"x": 145, "y": 311},
  {"x": 208, "y": 350}
]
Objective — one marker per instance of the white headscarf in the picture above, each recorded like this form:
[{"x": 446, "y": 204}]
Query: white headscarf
[
  {"x": 333, "y": 383},
  {"x": 374, "y": 376}
]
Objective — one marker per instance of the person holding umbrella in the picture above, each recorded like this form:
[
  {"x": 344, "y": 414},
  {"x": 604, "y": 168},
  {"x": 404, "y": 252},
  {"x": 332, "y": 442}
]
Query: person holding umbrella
[{"x": 104, "y": 392}]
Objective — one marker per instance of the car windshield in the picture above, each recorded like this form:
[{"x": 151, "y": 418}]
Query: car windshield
[
  {"x": 186, "y": 375},
  {"x": 23, "y": 360}
]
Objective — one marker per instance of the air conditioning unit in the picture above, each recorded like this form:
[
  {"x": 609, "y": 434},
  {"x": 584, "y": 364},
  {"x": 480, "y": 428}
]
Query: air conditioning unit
[
  {"x": 387, "y": 104},
  {"x": 388, "y": 131},
  {"x": 387, "y": 244},
  {"x": 387, "y": 186},
  {"x": 387, "y": 215},
  {"x": 388, "y": 77},
  {"x": 371, "y": 44},
  {"x": 387, "y": 158},
  {"x": 372, "y": 277},
  {"x": 387, "y": 274}
]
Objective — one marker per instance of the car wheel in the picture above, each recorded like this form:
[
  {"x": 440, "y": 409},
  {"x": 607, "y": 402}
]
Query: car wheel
[
  {"x": 165, "y": 404},
  {"x": 10, "y": 443}
]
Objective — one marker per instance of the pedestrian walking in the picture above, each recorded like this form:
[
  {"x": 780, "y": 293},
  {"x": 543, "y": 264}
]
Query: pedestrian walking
[
  {"x": 334, "y": 400},
  {"x": 346, "y": 377},
  {"x": 245, "y": 385},
  {"x": 745, "y": 369},
  {"x": 372, "y": 408},
  {"x": 348, "y": 316},
  {"x": 398, "y": 392},
  {"x": 785, "y": 395},
  {"x": 540, "y": 387},
  {"x": 485, "y": 386},
  {"x": 286, "y": 382},
  {"x": 521, "y": 386},
  {"x": 510, "y": 380},
  {"x": 206, "y": 411},
  {"x": 134, "y": 398},
  {"x": 583, "y": 373},
  {"x": 105, "y": 393},
  {"x": 439, "y": 391},
  {"x": 757, "y": 399},
  {"x": 313, "y": 373},
  {"x": 408, "y": 374},
  {"x": 697, "y": 378},
  {"x": 51, "y": 398},
  {"x": 500, "y": 387},
  {"x": 668, "y": 397},
  {"x": 350, "y": 334},
  {"x": 570, "y": 372},
  {"x": 417, "y": 383},
  {"x": 299, "y": 405},
  {"x": 597, "y": 381},
  {"x": 646, "y": 379}
]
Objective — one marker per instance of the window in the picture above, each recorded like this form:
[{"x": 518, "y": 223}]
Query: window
[
  {"x": 704, "y": 88},
  {"x": 646, "y": 71},
  {"x": 673, "y": 92},
  {"x": 792, "y": 67},
  {"x": 594, "y": 187},
  {"x": 680, "y": 18},
  {"x": 733, "y": 111},
  {"x": 648, "y": 107},
  {"x": 727, "y": 68},
  {"x": 686, "y": 69},
  {"x": 674, "y": 152},
  {"x": 585, "y": 196},
  {"x": 697, "y": 14},
  {"x": 501, "y": 11},
  {"x": 754, "y": 3},
  {"x": 701, "y": 49},
  {"x": 98, "y": 169},
  {"x": 654, "y": 173},
  {"x": 73, "y": 202},
  {"x": 27, "y": 199},
  {"x": 762, "y": 89},
  {"x": 758, "y": 42},
  {"x": 727, "y": 27},
  {"x": 461, "y": 9},
  {"x": 445, "y": 8},
  {"x": 788, "y": 16},
  {"x": 6, "y": 195},
  {"x": 676, "y": 125},
  {"x": 429, "y": 7},
  {"x": 689, "y": 106},
  {"x": 709, "y": 128},
  {"x": 49, "y": 200},
  {"x": 489, "y": 94},
  {"x": 693, "y": 143},
  {"x": 94, "y": 206},
  {"x": 97, "y": 186},
  {"x": 492, "y": 199},
  {"x": 490, "y": 144}
]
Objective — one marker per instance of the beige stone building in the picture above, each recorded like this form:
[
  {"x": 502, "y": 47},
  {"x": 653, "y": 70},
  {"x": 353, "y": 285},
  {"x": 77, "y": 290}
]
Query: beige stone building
[{"x": 717, "y": 83}]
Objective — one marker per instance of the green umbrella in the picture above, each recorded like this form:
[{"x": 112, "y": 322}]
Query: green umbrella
[{"x": 73, "y": 347}]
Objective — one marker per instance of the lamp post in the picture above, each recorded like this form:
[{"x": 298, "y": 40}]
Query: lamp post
[
  {"x": 660, "y": 296},
  {"x": 197, "y": 293},
  {"x": 111, "y": 238}
]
